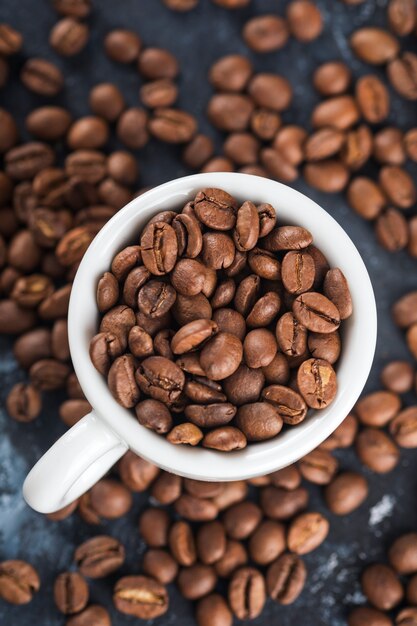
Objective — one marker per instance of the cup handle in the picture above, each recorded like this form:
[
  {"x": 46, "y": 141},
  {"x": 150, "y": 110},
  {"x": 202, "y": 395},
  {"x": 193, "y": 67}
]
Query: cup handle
[{"x": 72, "y": 465}]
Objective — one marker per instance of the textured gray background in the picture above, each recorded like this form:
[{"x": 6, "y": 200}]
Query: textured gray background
[{"x": 198, "y": 38}]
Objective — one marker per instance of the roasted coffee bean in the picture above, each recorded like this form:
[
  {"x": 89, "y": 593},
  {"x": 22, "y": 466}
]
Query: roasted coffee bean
[
  {"x": 246, "y": 593},
  {"x": 225, "y": 439},
  {"x": 398, "y": 185},
  {"x": 407, "y": 617},
  {"x": 71, "y": 411},
  {"x": 135, "y": 278},
  {"x": 304, "y": 20},
  {"x": 259, "y": 421},
  {"x": 230, "y": 112},
  {"x": 99, "y": 556},
  {"x": 288, "y": 238},
  {"x": 160, "y": 565},
  {"x": 346, "y": 493},
  {"x": 172, "y": 125},
  {"x": 270, "y": 91},
  {"x": 122, "y": 167},
  {"x": 373, "y": 99},
  {"x": 411, "y": 590},
  {"x": 388, "y": 146},
  {"x": 336, "y": 288},
  {"x": 32, "y": 346},
  {"x": 290, "y": 405},
  {"x": 42, "y": 77},
  {"x": 211, "y": 542},
  {"x": 187, "y": 309},
  {"x": 218, "y": 164},
  {"x": 107, "y": 292},
  {"x": 104, "y": 348},
  {"x": 329, "y": 176},
  {"x": 88, "y": 133},
  {"x": 87, "y": 165},
  {"x": 154, "y": 415},
  {"x": 160, "y": 378},
  {"x": 73, "y": 8},
  {"x": 29, "y": 291},
  {"x": 397, "y": 376},
  {"x": 259, "y": 348},
  {"x": 317, "y": 383},
  {"x": 392, "y": 230},
  {"x": 382, "y": 587},
  {"x": 70, "y": 593},
  {"x": 340, "y": 112},
  {"x": 332, "y": 78},
  {"x": 266, "y": 33},
  {"x": 378, "y": 408},
  {"x": 264, "y": 310},
  {"x": 324, "y": 143},
  {"x": 234, "y": 556},
  {"x": 318, "y": 467},
  {"x": 182, "y": 544},
  {"x": 306, "y": 532},
  {"x": 280, "y": 504},
  {"x": 218, "y": 250},
  {"x": 27, "y": 160},
  {"x": 410, "y": 141},
  {"x": 224, "y": 294},
  {"x": 365, "y": 616},
  {"x": 247, "y": 294},
  {"x": 401, "y": 16},
  {"x": 374, "y": 45},
  {"x": 221, "y": 356},
  {"x": 185, "y": 434},
  {"x": 122, "y": 45},
  {"x": 246, "y": 231},
  {"x": 244, "y": 386},
  {"x": 366, "y": 197},
  {"x": 405, "y": 311},
  {"x": 121, "y": 381},
  {"x": 402, "y": 74},
  {"x": 403, "y": 428},
  {"x": 9, "y": 133},
  {"x": 264, "y": 124},
  {"x": 153, "y": 527},
  {"x": 69, "y": 36},
  {"x": 140, "y": 596},
  {"x": 216, "y": 209},
  {"x": 10, "y": 40},
  {"x": 59, "y": 340},
  {"x": 198, "y": 151},
  {"x": 316, "y": 312},
  {"x": 132, "y": 129},
  {"x": 288, "y": 478},
  {"x": 189, "y": 236},
  {"x": 196, "y": 581},
  {"x": 277, "y": 372},
  {"x": 19, "y": 581},
  {"x": 298, "y": 271},
  {"x": 325, "y": 346},
  {"x": 210, "y": 415},
  {"x": 285, "y": 578},
  {"x": 267, "y": 542},
  {"x": 241, "y": 519},
  {"x": 159, "y": 248},
  {"x": 230, "y": 73},
  {"x": 264, "y": 264},
  {"x": 230, "y": 321},
  {"x": 23, "y": 402},
  {"x": 156, "y": 298},
  {"x": 402, "y": 554},
  {"x": 213, "y": 609},
  {"x": 94, "y": 615},
  {"x": 277, "y": 166},
  {"x": 155, "y": 63},
  {"x": 109, "y": 499},
  {"x": 15, "y": 320},
  {"x": 376, "y": 450},
  {"x": 49, "y": 374},
  {"x": 106, "y": 101},
  {"x": 136, "y": 473},
  {"x": 357, "y": 148}
]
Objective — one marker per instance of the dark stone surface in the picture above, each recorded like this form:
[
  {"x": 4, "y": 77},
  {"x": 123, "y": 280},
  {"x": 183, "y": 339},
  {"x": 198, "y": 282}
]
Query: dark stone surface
[{"x": 198, "y": 38}]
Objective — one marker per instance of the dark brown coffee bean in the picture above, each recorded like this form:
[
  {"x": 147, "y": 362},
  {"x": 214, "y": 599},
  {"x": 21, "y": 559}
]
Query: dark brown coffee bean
[
  {"x": 373, "y": 99},
  {"x": 192, "y": 335},
  {"x": 108, "y": 499},
  {"x": 118, "y": 320},
  {"x": 122, "y": 167},
  {"x": 155, "y": 63},
  {"x": 88, "y": 133},
  {"x": 244, "y": 386},
  {"x": 259, "y": 348},
  {"x": 213, "y": 609},
  {"x": 32, "y": 346},
  {"x": 156, "y": 298},
  {"x": 316, "y": 312},
  {"x": 69, "y": 36},
  {"x": 264, "y": 310},
  {"x": 402, "y": 74},
  {"x": 285, "y": 578},
  {"x": 182, "y": 544},
  {"x": 298, "y": 271},
  {"x": 198, "y": 151},
  {"x": 374, "y": 45},
  {"x": 29, "y": 291},
  {"x": 23, "y": 402},
  {"x": 160, "y": 378},
  {"x": 211, "y": 542},
  {"x": 154, "y": 415},
  {"x": 107, "y": 292},
  {"x": 241, "y": 519},
  {"x": 104, "y": 348},
  {"x": 159, "y": 248},
  {"x": 230, "y": 112},
  {"x": 264, "y": 264},
  {"x": 288, "y": 238},
  {"x": 87, "y": 165},
  {"x": 153, "y": 527},
  {"x": 277, "y": 372},
  {"x": 246, "y": 231},
  {"x": 99, "y": 556},
  {"x": 131, "y": 128},
  {"x": 267, "y": 542},
  {"x": 230, "y": 321},
  {"x": 325, "y": 346},
  {"x": 376, "y": 450},
  {"x": 94, "y": 615},
  {"x": 332, "y": 78},
  {"x": 290, "y": 405},
  {"x": 216, "y": 209},
  {"x": 224, "y": 294},
  {"x": 4, "y": 72},
  {"x": 70, "y": 593},
  {"x": 42, "y": 77},
  {"x": 225, "y": 438},
  {"x": 266, "y": 33},
  {"x": 221, "y": 356},
  {"x": 10, "y": 40},
  {"x": 230, "y": 73},
  {"x": 121, "y": 381},
  {"x": 210, "y": 415},
  {"x": 196, "y": 581},
  {"x": 48, "y": 374},
  {"x": 246, "y": 593},
  {"x": 407, "y": 617},
  {"x": 9, "y": 133},
  {"x": 317, "y": 382},
  {"x": 27, "y": 160},
  {"x": 382, "y": 587},
  {"x": 403, "y": 554},
  {"x": 378, "y": 408},
  {"x": 404, "y": 428},
  {"x": 19, "y": 581},
  {"x": 140, "y": 596},
  {"x": 123, "y": 263},
  {"x": 73, "y": 8},
  {"x": 340, "y": 112},
  {"x": 218, "y": 250},
  {"x": 389, "y": 146},
  {"x": 304, "y": 20},
  {"x": 259, "y": 421},
  {"x": 336, "y": 288},
  {"x": 172, "y": 125},
  {"x": 397, "y": 376},
  {"x": 122, "y": 45},
  {"x": 346, "y": 493}
]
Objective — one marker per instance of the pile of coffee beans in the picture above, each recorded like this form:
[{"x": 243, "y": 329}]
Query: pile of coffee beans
[
  {"x": 221, "y": 326},
  {"x": 390, "y": 588}
]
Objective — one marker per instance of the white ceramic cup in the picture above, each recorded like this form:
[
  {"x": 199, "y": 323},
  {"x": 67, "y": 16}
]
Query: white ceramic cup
[{"x": 88, "y": 450}]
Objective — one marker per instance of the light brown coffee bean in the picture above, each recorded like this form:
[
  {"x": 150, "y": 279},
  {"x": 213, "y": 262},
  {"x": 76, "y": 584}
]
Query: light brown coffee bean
[
  {"x": 225, "y": 439},
  {"x": 325, "y": 346},
  {"x": 70, "y": 593},
  {"x": 172, "y": 125},
  {"x": 285, "y": 578},
  {"x": 68, "y": 36},
  {"x": 290, "y": 404},
  {"x": 230, "y": 73},
  {"x": 402, "y": 74},
  {"x": 230, "y": 112},
  {"x": 99, "y": 556},
  {"x": 397, "y": 376},
  {"x": 140, "y": 596},
  {"x": 136, "y": 473},
  {"x": 364, "y": 615},
  {"x": 332, "y": 78},
  {"x": 213, "y": 609},
  {"x": 182, "y": 543},
  {"x": 376, "y": 450},
  {"x": 318, "y": 467},
  {"x": 398, "y": 185},
  {"x": 266, "y": 33},
  {"x": 346, "y": 493},
  {"x": 19, "y": 581},
  {"x": 330, "y": 176},
  {"x": 246, "y": 593},
  {"x": 288, "y": 238},
  {"x": 42, "y": 77},
  {"x": 340, "y": 112},
  {"x": 198, "y": 151},
  {"x": 122, "y": 45},
  {"x": 316, "y": 312},
  {"x": 404, "y": 428},
  {"x": 267, "y": 542},
  {"x": 160, "y": 565},
  {"x": 378, "y": 408},
  {"x": 392, "y": 230},
  {"x": 374, "y": 45},
  {"x": 270, "y": 91},
  {"x": 366, "y": 197},
  {"x": 196, "y": 581},
  {"x": 381, "y": 586},
  {"x": 280, "y": 504},
  {"x": 389, "y": 146},
  {"x": 93, "y": 615},
  {"x": 258, "y": 421},
  {"x": 155, "y": 63},
  {"x": 259, "y": 348},
  {"x": 373, "y": 99},
  {"x": 402, "y": 554},
  {"x": 305, "y": 20},
  {"x": 307, "y": 532}
]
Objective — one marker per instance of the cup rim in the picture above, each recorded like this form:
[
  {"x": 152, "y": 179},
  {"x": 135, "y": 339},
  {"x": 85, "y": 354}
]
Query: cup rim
[{"x": 258, "y": 458}]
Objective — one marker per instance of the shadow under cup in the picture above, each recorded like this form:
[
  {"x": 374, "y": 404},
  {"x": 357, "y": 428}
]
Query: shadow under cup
[{"x": 358, "y": 332}]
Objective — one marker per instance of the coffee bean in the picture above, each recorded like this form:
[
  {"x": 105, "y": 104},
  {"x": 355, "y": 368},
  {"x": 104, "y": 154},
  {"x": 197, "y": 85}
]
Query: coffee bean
[
  {"x": 316, "y": 312},
  {"x": 198, "y": 151},
  {"x": 365, "y": 616},
  {"x": 180, "y": 5},
  {"x": 132, "y": 128},
  {"x": 186, "y": 434},
  {"x": 267, "y": 542},
  {"x": 23, "y": 402},
  {"x": 94, "y": 615},
  {"x": 4, "y": 72},
  {"x": 155, "y": 63},
  {"x": 325, "y": 346},
  {"x": 411, "y": 590},
  {"x": 412, "y": 237},
  {"x": 318, "y": 467},
  {"x": 266, "y": 33},
  {"x": 27, "y": 160},
  {"x": 160, "y": 378},
  {"x": 9, "y": 133},
  {"x": 340, "y": 112},
  {"x": 211, "y": 415},
  {"x": 290, "y": 405},
  {"x": 285, "y": 578},
  {"x": 10, "y": 40},
  {"x": 346, "y": 493},
  {"x": 99, "y": 556},
  {"x": 29, "y": 291},
  {"x": 109, "y": 499},
  {"x": 19, "y": 581},
  {"x": 403, "y": 428},
  {"x": 182, "y": 544},
  {"x": 71, "y": 411},
  {"x": 404, "y": 310},
  {"x": 88, "y": 133},
  {"x": 196, "y": 581},
  {"x": 241, "y": 519},
  {"x": 32, "y": 346},
  {"x": 121, "y": 381},
  {"x": 392, "y": 230},
  {"x": 373, "y": 99},
  {"x": 230, "y": 112},
  {"x": 211, "y": 542},
  {"x": 401, "y": 16},
  {"x": 231, "y": 4},
  {"x": 159, "y": 248},
  {"x": 107, "y": 292},
  {"x": 378, "y": 408},
  {"x": 374, "y": 45},
  {"x": 73, "y": 8},
  {"x": 122, "y": 45},
  {"x": 153, "y": 527},
  {"x": 402, "y": 554},
  {"x": 288, "y": 238},
  {"x": 140, "y": 596},
  {"x": 234, "y": 556},
  {"x": 264, "y": 310},
  {"x": 70, "y": 593},
  {"x": 160, "y": 565},
  {"x": 407, "y": 617},
  {"x": 136, "y": 473},
  {"x": 154, "y": 415},
  {"x": 306, "y": 532},
  {"x": 259, "y": 421},
  {"x": 329, "y": 176},
  {"x": 244, "y": 386},
  {"x": 288, "y": 478},
  {"x": 357, "y": 149},
  {"x": 213, "y": 609},
  {"x": 230, "y": 321},
  {"x": 332, "y": 78},
  {"x": 402, "y": 74},
  {"x": 225, "y": 439},
  {"x": 69, "y": 36},
  {"x": 270, "y": 91},
  {"x": 88, "y": 165},
  {"x": 172, "y": 125},
  {"x": 122, "y": 167},
  {"x": 389, "y": 146},
  {"x": 324, "y": 143},
  {"x": 365, "y": 197},
  {"x": 376, "y": 450},
  {"x": 246, "y": 593},
  {"x": 398, "y": 186},
  {"x": 382, "y": 587},
  {"x": 230, "y": 73},
  {"x": 42, "y": 77},
  {"x": 410, "y": 141},
  {"x": 159, "y": 93},
  {"x": 397, "y": 376},
  {"x": 48, "y": 374}
]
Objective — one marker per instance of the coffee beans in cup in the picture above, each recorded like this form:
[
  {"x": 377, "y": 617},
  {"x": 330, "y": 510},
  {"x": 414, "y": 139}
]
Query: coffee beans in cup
[{"x": 219, "y": 326}]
